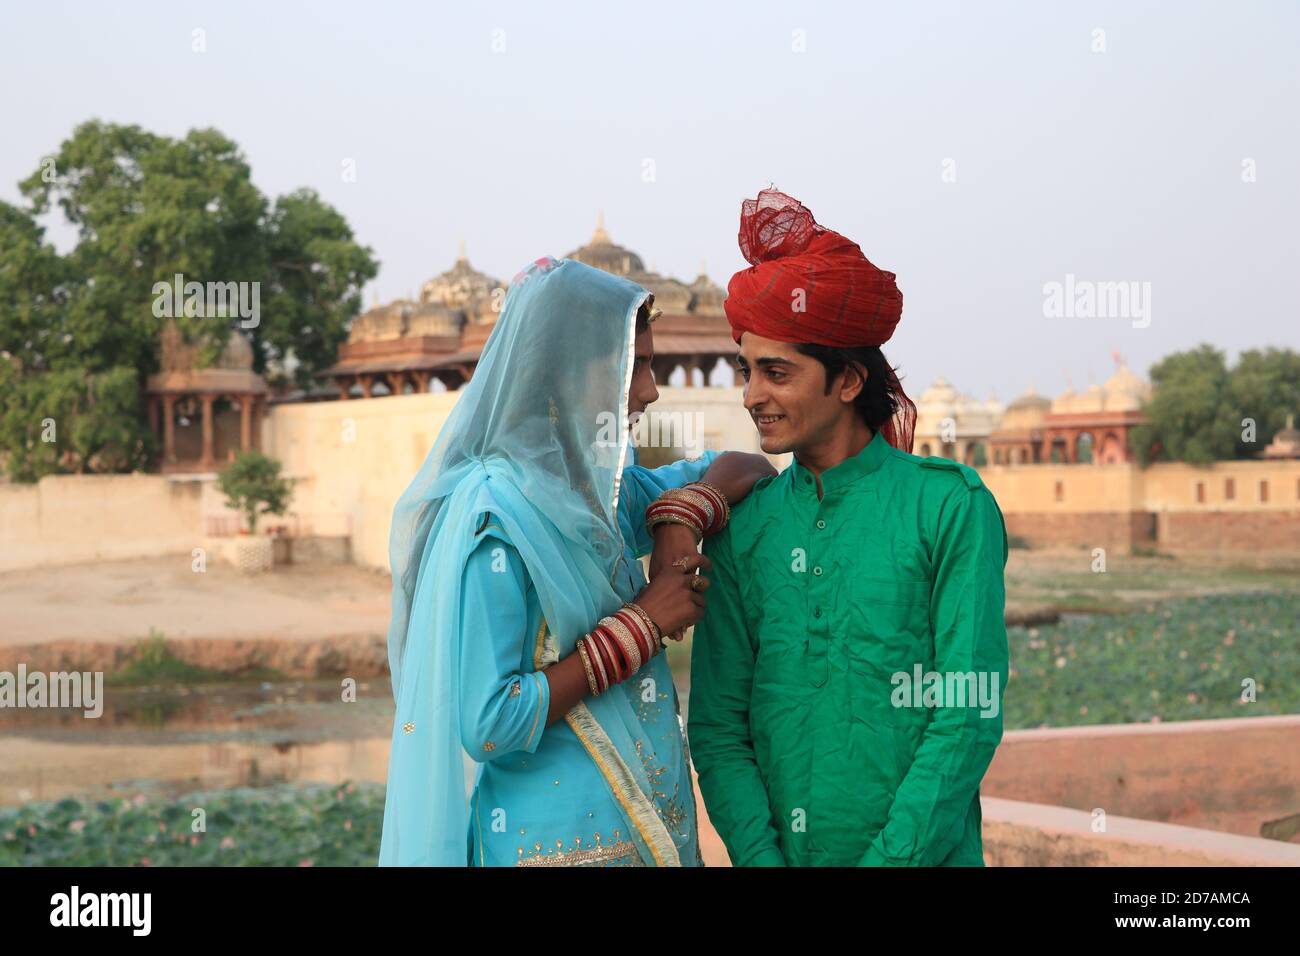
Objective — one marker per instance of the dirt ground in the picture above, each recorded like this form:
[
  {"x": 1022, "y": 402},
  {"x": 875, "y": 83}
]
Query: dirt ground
[{"x": 123, "y": 600}]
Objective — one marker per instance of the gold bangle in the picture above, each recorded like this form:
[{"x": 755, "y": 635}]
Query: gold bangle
[
  {"x": 625, "y": 638},
  {"x": 692, "y": 498},
  {"x": 598, "y": 662},
  {"x": 674, "y": 519},
  {"x": 656, "y": 633},
  {"x": 726, "y": 505},
  {"x": 586, "y": 665}
]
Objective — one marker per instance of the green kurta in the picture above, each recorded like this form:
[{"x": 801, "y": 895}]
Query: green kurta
[{"x": 815, "y": 610}]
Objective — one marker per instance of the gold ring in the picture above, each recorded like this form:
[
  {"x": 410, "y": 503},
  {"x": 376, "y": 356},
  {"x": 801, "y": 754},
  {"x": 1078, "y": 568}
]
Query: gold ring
[
  {"x": 695, "y": 584},
  {"x": 681, "y": 563}
]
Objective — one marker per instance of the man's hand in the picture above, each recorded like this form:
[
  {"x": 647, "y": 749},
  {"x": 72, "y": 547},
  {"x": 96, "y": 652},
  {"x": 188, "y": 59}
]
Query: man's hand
[{"x": 672, "y": 541}]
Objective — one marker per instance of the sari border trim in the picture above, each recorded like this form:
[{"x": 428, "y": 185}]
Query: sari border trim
[
  {"x": 545, "y": 653},
  {"x": 536, "y": 716},
  {"x": 623, "y": 786}
]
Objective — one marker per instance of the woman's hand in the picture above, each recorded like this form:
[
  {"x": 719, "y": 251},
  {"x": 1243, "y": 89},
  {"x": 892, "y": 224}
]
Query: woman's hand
[
  {"x": 674, "y": 599},
  {"x": 735, "y": 472}
]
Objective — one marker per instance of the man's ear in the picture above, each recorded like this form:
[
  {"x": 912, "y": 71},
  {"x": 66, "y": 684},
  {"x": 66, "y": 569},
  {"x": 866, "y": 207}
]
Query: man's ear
[{"x": 854, "y": 381}]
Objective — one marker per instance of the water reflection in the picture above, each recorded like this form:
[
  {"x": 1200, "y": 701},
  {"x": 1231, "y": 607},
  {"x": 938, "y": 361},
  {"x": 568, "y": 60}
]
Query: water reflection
[{"x": 171, "y": 740}]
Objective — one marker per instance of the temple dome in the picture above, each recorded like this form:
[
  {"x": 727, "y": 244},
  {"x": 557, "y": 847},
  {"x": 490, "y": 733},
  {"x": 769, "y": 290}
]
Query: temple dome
[
  {"x": 706, "y": 295},
  {"x": 601, "y": 253},
  {"x": 460, "y": 287},
  {"x": 1125, "y": 391},
  {"x": 1027, "y": 411},
  {"x": 237, "y": 353},
  {"x": 670, "y": 295},
  {"x": 432, "y": 319}
]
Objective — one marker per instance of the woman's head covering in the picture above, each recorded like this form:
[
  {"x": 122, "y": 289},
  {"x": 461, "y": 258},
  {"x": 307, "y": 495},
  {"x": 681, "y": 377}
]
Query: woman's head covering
[
  {"x": 809, "y": 284},
  {"x": 539, "y": 438}
]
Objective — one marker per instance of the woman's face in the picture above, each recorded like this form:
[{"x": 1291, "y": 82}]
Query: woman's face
[{"x": 642, "y": 392}]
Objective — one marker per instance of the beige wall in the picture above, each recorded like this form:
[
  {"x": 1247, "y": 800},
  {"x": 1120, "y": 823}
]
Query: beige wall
[
  {"x": 1163, "y": 487},
  {"x": 1172, "y": 487},
  {"x": 1032, "y": 488},
  {"x": 66, "y": 519}
]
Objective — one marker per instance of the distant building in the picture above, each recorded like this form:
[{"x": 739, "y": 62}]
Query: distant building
[
  {"x": 952, "y": 425},
  {"x": 1286, "y": 443},
  {"x": 407, "y": 346},
  {"x": 204, "y": 416},
  {"x": 1092, "y": 426}
]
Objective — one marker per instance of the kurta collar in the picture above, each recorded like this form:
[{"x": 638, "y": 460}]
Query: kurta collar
[{"x": 846, "y": 472}]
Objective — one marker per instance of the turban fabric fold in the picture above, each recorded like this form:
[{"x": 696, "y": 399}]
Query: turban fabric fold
[{"x": 809, "y": 284}]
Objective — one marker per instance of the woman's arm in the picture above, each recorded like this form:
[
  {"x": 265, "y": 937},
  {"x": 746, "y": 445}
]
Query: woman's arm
[{"x": 733, "y": 473}]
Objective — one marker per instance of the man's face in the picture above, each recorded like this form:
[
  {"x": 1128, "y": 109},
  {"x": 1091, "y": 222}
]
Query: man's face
[
  {"x": 785, "y": 394},
  {"x": 642, "y": 392}
]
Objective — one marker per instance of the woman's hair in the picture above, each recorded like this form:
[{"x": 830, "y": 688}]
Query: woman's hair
[
  {"x": 643, "y": 317},
  {"x": 876, "y": 402}
]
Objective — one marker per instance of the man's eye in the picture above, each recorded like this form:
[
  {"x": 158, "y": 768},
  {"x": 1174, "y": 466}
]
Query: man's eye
[{"x": 744, "y": 373}]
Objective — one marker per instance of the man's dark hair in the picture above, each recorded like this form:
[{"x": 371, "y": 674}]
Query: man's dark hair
[{"x": 876, "y": 402}]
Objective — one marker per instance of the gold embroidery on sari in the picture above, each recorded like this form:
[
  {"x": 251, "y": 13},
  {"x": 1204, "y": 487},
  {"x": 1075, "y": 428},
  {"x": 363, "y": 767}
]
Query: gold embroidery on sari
[
  {"x": 622, "y": 853},
  {"x": 640, "y": 810}
]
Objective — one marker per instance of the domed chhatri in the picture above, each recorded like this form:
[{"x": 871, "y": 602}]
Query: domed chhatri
[
  {"x": 952, "y": 425},
  {"x": 604, "y": 254},
  {"x": 1088, "y": 426},
  {"x": 461, "y": 287},
  {"x": 1286, "y": 443},
  {"x": 204, "y": 414},
  {"x": 409, "y": 345}
]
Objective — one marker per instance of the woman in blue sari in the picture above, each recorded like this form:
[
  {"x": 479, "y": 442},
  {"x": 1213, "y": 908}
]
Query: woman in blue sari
[{"x": 519, "y": 537}]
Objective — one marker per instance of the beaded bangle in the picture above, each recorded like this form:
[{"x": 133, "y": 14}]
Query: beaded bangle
[
  {"x": 618, "y": 646},
  {"x": 721, "y": 506},
  {"x": 654, "y": 628},
  {"x": 698, "y": 505},
  {"x": 586, "y": 666}
]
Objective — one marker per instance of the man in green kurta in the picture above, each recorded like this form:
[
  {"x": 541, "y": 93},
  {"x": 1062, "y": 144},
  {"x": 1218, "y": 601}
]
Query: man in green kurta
[{"x": 846, "y": 680}]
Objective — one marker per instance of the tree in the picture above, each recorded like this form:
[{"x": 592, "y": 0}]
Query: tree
[
  {"x": 147, "y": 208},
  {"x": 1199, "y": 404},
  {"x": 1263, "y": 387},
  {"x": 252, "y": 484},
  {"x": 1187, "y": 418}
]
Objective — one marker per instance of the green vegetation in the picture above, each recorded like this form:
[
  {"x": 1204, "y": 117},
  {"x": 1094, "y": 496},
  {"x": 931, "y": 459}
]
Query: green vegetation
[
  {"x": 1197, "y": 412},
  {"x": 79, "y": 332},
  {"x": 310, "y": 825},
  {"x": 252, "y": 484},
  {"x": 154, "y": 663},
  {"x": 1183, "y": 660}
]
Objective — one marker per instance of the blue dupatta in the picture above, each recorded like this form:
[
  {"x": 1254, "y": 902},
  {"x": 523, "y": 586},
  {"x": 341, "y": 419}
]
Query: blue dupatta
[{"x": 541, "y": 432}]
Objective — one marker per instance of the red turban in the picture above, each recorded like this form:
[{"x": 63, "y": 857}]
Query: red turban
[{"x": 808, "y": 284}]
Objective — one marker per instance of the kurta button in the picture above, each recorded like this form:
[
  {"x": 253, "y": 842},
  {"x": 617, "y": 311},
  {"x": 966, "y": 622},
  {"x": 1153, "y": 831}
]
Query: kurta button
[
  {"x": 807, "y": 479},
  {"x": 817, "y": 612},
  {"x": 821, "y": 525},
  {"x": 817, "y": 571}
]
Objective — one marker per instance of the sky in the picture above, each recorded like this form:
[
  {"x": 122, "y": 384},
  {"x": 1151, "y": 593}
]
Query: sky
[{"x": 982, "y": 152}]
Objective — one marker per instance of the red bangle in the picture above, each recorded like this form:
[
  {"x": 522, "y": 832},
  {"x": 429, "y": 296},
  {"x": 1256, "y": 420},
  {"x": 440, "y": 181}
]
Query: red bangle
[
  {"x": 636, "y": 627},
  {"x": 620, "y": 666}
]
